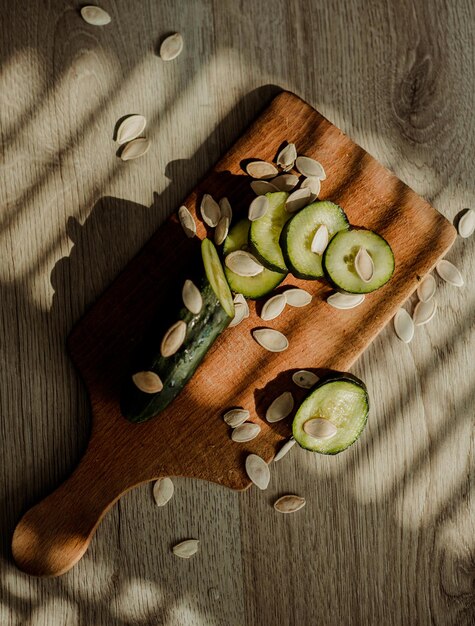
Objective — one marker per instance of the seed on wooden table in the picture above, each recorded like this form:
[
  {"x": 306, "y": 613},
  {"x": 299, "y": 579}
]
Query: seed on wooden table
[
  {"x": 285, "y": 182},
  {"x": 258, "y": 208},
  {"x": 258, "y": 471},
  {"x": 163, "y": 491},
  {"x": 466, "y": 225},
  {"x": 426, "y": 289},
  {"x": 147, "y": 381},
  {"x": 135, "y": 149},
  {"x": 261, "y": 169},
  {"x": 364, "y": 265},
  {"x": 221, "y": 231},
  {"x": 273, "y": 307},
  {"x": 280, "y": 408},
  {"x": 424, "y": 312},
  {"x": 236, "y": 417},
  {"x": 448, "y": 272},
  {"x": 404, "y": 325},
  {"x": 289, "y": 504},
  {"x": 173, "y": 339},
  {"x": 297, "y": 297},
  {"x": 345, "y": 300},
  {"x": 210, "y": 211},
  {"x": 245, "y": 432},
  {"x": 130, "y": 128},
  {"x": 225, "y": 208},
  {"x": 261, "y": 187},
  {"x": 240, "y": 299},
  {"x": 310, "y": 168},
  {"x": 305, "y": 379},
  {"x": 320, "y": 240},
  {"x": 192, "y": 297},
  {"x": 288, "y": 445},
  {"x": 187, "y": 221},
  {"x": 243, "y": 263},
  {"x": 239, "y": 314},
  {"x": 271, "y": 339},
  {"x": 95, "y": 15},
  {"x": 319, "y": 428},
  {"x": 297, "y": 200},
  {"x": 313, "y": 183},
  {"x": 286, "y": 157},
  {"x": 186, "y": 549},
  {"x": 171, "y": 47}
]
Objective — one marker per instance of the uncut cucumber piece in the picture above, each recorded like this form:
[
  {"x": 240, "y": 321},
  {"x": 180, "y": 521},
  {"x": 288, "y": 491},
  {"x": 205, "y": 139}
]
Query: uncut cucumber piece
[
  {"x": 339, "y": 257},
  {"x": 344, "y": 402},
  {"x": 264, "y": 234},
  {"x": 202, "y": 330},
  {"x": 297, "y": 236},
  {"x": 250, "y": 286}
]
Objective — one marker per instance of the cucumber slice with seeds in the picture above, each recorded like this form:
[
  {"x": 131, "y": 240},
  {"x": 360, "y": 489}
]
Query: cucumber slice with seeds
[{"x": 265, "y": 233}]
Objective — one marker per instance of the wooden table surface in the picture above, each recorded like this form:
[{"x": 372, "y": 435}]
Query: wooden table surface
[{"x": 388, "y": 533}]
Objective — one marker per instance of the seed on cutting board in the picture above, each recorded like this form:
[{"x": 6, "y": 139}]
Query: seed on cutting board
[
  {"x": 271, "y": 339},
  {"x": 280, "y": 408},
  {"x": 285, "y": 182},
  {"x": 297, "y": 297},
  {"x": 305, "y": 379},
  {"x": 148, "y": 382},
  {"x": 448, "y": 272},
  {"x": 192, "y": 297},
  {"x": 236, "y": 417},
  {"x": 286, "y": 157},
  {"x": 289, "y": 504},
  {"x": 95, "y": 15},
  {"x": 186, "y": 549},
  {"x": 297, "y": 200},
  {"x": 404, "y": 325},
  {"x": 310, "y": 168},
  {"x": 320, "y": 240},
  {"x": 426, "y": 289},
  {"x": 163, "y": 491},
  {"x": 258, "y": 208},
  {"x": 173, "y": 339},
  {"x": 288, "y": 445},
  {"x": 171, "y": 47},
  {"x": 261, "y": 169},
  {"x": 319, "y": 428},
  {"x": 240, "y": 299},
  {"x": 261, "y": 187},
  {"x": 225, "y": 208},
  {"x": 243, "y": 263},
  {"x": 130, "y": 128},
  {"x": 364, "y": 265},
  {"x": 258, "y": 471},
  {"x": 245, "y": 432},
  {"x": 345, "y": 300},
  {"x": 313, "y": 183},
  {"x": 424, "y": 312},
  {"x": 135, "y": 149},
  {"x": 273, "y": 307},
  {"x": 187, "y": 221},
  {"x": 466, "y": 226},
  {"x": 210, "y": 211},
  {"x": 239, "y": 314},
  {"x": 221, "y": 231}
]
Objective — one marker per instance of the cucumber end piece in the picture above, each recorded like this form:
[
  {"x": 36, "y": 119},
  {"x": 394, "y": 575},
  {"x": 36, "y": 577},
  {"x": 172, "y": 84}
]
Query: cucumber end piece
[{"x": 216, "y": 276}]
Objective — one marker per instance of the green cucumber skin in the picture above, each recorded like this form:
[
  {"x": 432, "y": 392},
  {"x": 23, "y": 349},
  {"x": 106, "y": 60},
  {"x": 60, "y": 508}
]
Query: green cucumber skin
[
  {"x": 270, "y": 266},
  {"x": 175, "y": 371},
  {"x": 288, "y": 262}
]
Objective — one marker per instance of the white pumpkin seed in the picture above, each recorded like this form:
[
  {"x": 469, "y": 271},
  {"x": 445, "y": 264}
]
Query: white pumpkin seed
[
  {"x": 261, "y": 187},
  {"x": 466, "y": 226},
  {"x": 239, "y": 314},
  {"x": 424, "y": 312},
  {"x": 288, "y": 445},
  {"x": 289, "y": 504},
  {"x": 130, "y": 128},
  {"x": 319, "y": 428},
  {"x": 258, "y": 471},
  {"x": 426, "y": 289},
  {"x": 261, "y": 169},
  {"x": 305, "y": 379},
  {"x": 297, "y": 297},
  {"x": 148, "y": 382},
  {"x": 225, "y": 208},
  {"x": 186, "y": 549},
  {"x": 163, "y": 491},
  {"x": 173, "y": 339},
  {"x": 236, "y": 417},
  {"x": 310, "y": 168},
  {"x": 240, "y": 299},
  {"x": 404, "y": 326},
  {"x": 192, "y": 297},
  {"x": 345, "y": 300},
  {"x": 297, "y": 200},
  {"x": 286, "y": 157},
  {"x": 135, "y": 149},
  {"x": 245, "y": 432},
  {"x": 271, "y": 339},
  {"x": 364, "y": 265},
  {"x": 171, "y": 47},
  {"x": 313, "y": 183},
  {"x": 280, "y": 408},
  {"x": 320, "y": 240},
  {"x": 210, "y": 211},
  {"x": 187, "y": 221},
  {"x": 258, "y": 208},
  {"x": 243, "y": 263},
  {"x": 273, "y": 307},
  {"x": 285, "y": 182},
  {"x": 221, "y": 231},
  {"x": 448, "y": 272},
  {"x": 95, "y": 15}
]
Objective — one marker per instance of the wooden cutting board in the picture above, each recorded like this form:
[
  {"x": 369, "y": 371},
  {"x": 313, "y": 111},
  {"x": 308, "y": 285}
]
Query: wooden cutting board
[{"x": 190, "y": 438}]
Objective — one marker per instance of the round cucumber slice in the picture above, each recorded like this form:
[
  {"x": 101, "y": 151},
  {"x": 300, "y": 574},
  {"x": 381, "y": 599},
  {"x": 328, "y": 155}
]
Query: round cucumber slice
[
  {"x": 298, "y": 233},
  {"x": 342, "y": 404},
  {"x": 339, "y": 260},
  {"x": 249, "y": 286},
  {"x": 265, "y": 233},
  {"x": 215, "y": 275}
]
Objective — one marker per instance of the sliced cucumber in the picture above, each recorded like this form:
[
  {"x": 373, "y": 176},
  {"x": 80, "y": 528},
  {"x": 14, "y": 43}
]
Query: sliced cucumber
[
  {"x": 265, "y": 233},
  {"x": 298, "y": 233},
  {"x": 249, "y": 286},
  {"x": 339, "y": 260},
  {"x": 215, "y": 275},
  {"x": 344, "y": 403}
]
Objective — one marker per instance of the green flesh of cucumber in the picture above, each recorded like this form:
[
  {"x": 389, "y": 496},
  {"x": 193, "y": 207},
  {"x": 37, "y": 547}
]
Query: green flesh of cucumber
[{"x": 264, "y": 234}]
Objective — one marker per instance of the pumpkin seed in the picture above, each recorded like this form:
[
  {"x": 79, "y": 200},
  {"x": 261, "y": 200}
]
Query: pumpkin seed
[
  {"x": 286, "y": 157},
  {"x": 313, "y": 183},
  {"x": 289, "y": 504},
  {"x": 364, "y": 265},
  {"x": 261, "y": 187},
  {"x": 448, "y": 272},
  {"x": 240, "y": 299},
  {"x": 135, "y": 149},
  {"x": 210, "y": 211},
  {"x": 320, "y": 240},
  {"x": 130, "y": 128},
  {"x": 297, "y": 297},
  {"x": 173, "y": 339},
  {"x": 95, "y": 15},
  {"x": 426, "y": 289},
  {"x": 305, "y": 379},
  {"x": 258, "y": 208},
  {"x": 273, "y": 307},
  {"x": 148, "y": 382},
  {"x": 187, "y": 221},
  {"x": 319, "y": 428},
  {"x": 239, "y": 314},
  {"x": 466, "y": 226},
  {"x": 290, "y": 443},
  {"x": 285, "y": 182},
  {"x": 163, "y": 491},
  {"x": 221, "y": 231},
  {"x": 258, "y": 471},
  {"x": 225, "y": 208},
  {"x": 271, "y": 339},
  {"x": 404, "y": 325},
  {"x": 236, "y": 417},
  {"x": 424, "y": 312},
  {"x": 297, "y": 200},
  {"x": 243, "y": 263},
  {"x": 192, "y": 297},
  {"x": 280, "y": 408},
  {"x": 245, "y": 432},
  {"x": 345, "y": 300},
  {"x": 261, "y": 169},
  {"x": 171, "y": 47},
  {"x": 310, "y": 168},
  {"x": 186, "y": 549}
]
